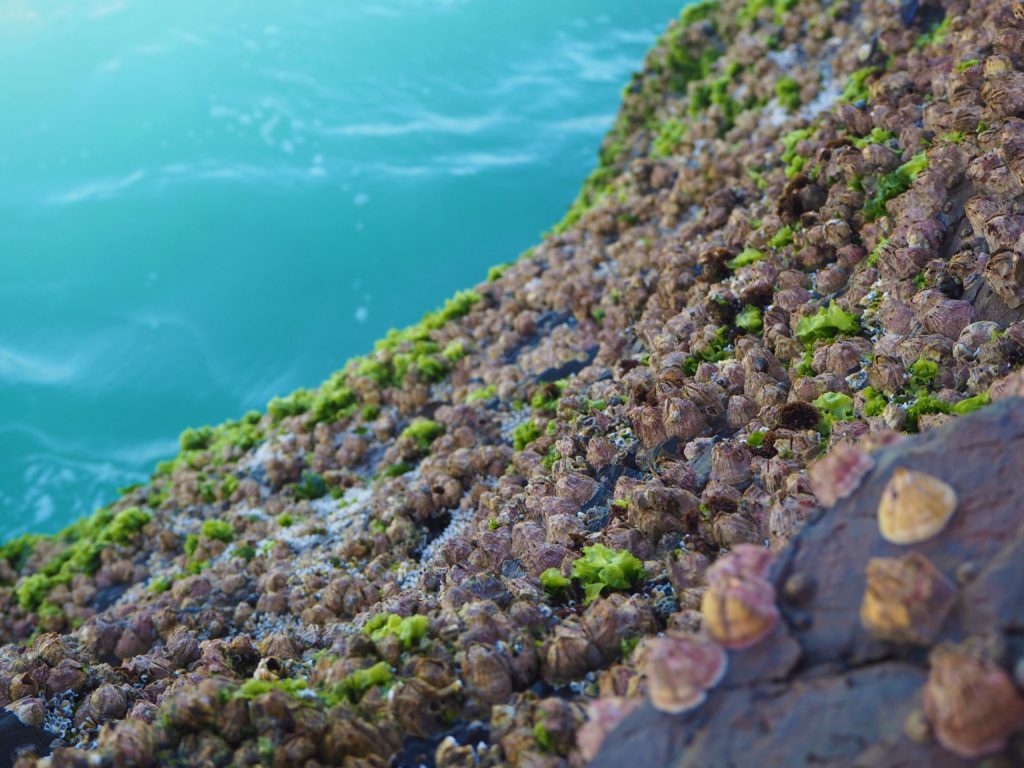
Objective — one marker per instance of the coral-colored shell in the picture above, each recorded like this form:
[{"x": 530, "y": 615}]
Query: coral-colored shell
[
  {"x": 740, "y": 615},
  {"x": 914, "y": 507},
  {"x": 744, "y": 560},
  {"x": 602, "y": 716},
  {"x": 838, "y": 474},
  {"x": 738, "y": 607},
  {"x": 971, "y": 702},
  {"x": 681, "y": 670},
  {"x": 906, "y": 600}
]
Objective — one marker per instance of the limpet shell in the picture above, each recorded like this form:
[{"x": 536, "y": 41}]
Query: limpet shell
[
  {"x": 838, "y": 474},
  {"x": 915, "y": 506},
  {"x": 907, "y": 599},
  {"x": 971, "y": 702},
  {"x": 681, "y": 670},
  {"x": 738, "y": 607}
]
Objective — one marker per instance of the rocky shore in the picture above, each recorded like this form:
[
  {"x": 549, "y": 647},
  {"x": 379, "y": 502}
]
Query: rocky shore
[{"x": 696, "y": 479}]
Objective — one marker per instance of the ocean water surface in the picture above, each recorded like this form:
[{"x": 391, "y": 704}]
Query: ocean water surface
[{"x": 205, "y": 204}]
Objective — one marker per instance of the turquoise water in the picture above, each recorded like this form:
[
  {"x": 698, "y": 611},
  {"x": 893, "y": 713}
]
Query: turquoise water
[{"x": 204, "y": 204}]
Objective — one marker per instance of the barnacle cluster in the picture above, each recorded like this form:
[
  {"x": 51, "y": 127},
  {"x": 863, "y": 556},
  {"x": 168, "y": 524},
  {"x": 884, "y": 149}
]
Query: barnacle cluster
[{"x": 560, "y": 495}]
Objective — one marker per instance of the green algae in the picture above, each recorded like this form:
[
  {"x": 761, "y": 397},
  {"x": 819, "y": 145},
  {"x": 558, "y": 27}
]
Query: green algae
[
  {"x": 423, "y": 432},
  {"x": 524, "y": 434},
  {"x": 295, "y": 404},
  {"x": 856, "y": 89},
  {"x": 719, "y": 349},
  {"x": 697, "y": 12},
  {"x": 17, "y": 551},
  {"x": 892, "y": 184},
  {"x": 787, "y": 91},
  {"x": 747, "y": 257},
  {"x": 409, "y": 629},
  {"x": 545, "y": 398},
  {"x": 602, "y": 568},
  {"x": 495, "y": 272},
  {"x": 827, "y": 323},
  {"x": 782, "y": 238},
  {"x": 923, "y": 372},
  {"x": 833, "y": 406},
  {"x": 454, "y": 351},
  {"x": 749, "y": 319},
  {"x": 669, "y": 136},
  {"x": 396, "y": 470},
  {"x": 873, "y": 256},
  {"x": 875, "y": 136},
  {"x": 312, "y": 486},
  {"x": 218, "y": 530},
  {"x": 85, "y": 542},
  {"x": 355, "y": 685},
  {"x": 553, "y": 581},
  {"x": 936, "y": 34},
  {"x": 550, "y": 458},
  {"x": 671, "y": 65},
  {"x": 756, "y": 439},
  {"x": 874, "y": 402},
  {"x": 32, "y": 590},
  {"x": 716, "y": 92},
  {"x": 250, "y": 689},
  {"x": 484, "y": 393},
  {"x": 543, "y": 738},
  {"x": 794, "y": 162}
]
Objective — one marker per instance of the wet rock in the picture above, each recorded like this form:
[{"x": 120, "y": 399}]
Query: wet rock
[
  {"x": 15, "y": 736},
  {"x": 844, "y": 670}
]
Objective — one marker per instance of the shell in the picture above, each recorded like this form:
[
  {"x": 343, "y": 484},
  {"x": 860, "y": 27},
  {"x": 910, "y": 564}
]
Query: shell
[
  {"x": 907, "y": 599},
  {"x": 486, "y": 674},
  {"x": 915, "y": 506},
  {"x": 681, "y": 670},
  {"x": 655, "y": 509},
  {"x": 942, "y": 315},
  {"x": 681, "y": 418},
  {"x": 746, "y": 559},
  {"x": 609, "y": 619},
  {"x": 134, "y": 741},
  {"x": 738, "y": 607},
  {"x": 568, "y": 654},
  {"x": 971, "y": 702},
  {"x": 730, "y": 463},
  {"x": 732, "y": 529},
  {"x": 603, "y": 715},
  {"x": 30, "y": 712},
  {"x": 838, "y": 474},
  {"x": 106, "y": 703},
  {"x": 1004, "y": 273},
  {"x": 182, "y": 646}
]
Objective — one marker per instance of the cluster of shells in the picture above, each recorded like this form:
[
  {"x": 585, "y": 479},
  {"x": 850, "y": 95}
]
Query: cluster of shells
[{"x": 674, "y": 435}]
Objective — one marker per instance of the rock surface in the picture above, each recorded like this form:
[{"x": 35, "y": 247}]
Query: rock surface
[
  {"x": 495, "y": 536},
  {"x": 849, "y": 700}
]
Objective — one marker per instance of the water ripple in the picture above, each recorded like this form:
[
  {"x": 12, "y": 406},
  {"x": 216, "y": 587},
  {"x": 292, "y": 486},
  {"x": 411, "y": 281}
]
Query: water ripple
[
  {"x": 98, "y": 190},
  {"x": 16, "y": 368},
  {"x": 431, "y": 123}
]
